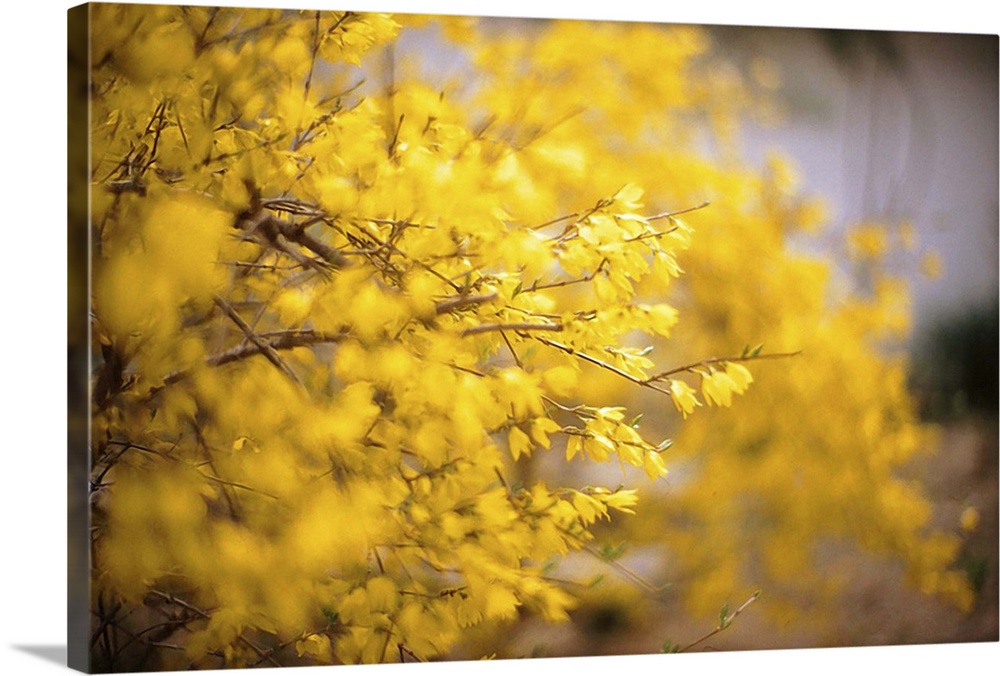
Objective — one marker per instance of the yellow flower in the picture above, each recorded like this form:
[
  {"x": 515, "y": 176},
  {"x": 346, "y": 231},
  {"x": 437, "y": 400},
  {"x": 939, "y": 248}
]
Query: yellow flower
[
  {"x": 969, "y": 519},
  {"x": 740, "y": 376},
  {"x": 683, "y": 397},
  {"x": 867, "y": 242},
  {"x": 931, "y": 266},
  {"x": 718, "y": 387}
]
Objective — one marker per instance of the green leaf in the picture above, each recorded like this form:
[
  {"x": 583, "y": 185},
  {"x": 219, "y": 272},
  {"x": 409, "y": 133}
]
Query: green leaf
[
  {"x": 669, "y": 647},
  {"x": 330, "y": 614},
  {"x": 611, "y": 553},
  {"x": 724, "y": 616},
  {"x": 596, "y": 581}
]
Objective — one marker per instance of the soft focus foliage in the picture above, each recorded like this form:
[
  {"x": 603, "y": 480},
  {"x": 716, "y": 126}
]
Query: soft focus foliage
[{"x": 338, "y": 307}]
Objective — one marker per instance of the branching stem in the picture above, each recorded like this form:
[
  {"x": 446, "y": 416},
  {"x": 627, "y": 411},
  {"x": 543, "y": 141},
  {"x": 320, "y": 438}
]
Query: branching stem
[
  {"x": 514, "y": 326},
  {"x": 602, "y": 364},
  {"x": 724, "y": 623},
  {"x": 718, "y": 360}
]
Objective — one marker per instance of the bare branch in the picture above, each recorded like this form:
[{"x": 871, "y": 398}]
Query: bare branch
[
  {"x": 568, "y": 282},
  {"x": 462, "y": 302},
  {"x": 513, "y": 352},
  {"x": 312, "y": 58},
  {"x": 235, "y": 484},
  {"x": 604, "y": 365},
  {"x": 207, "y": 614},
  {"x": 724, "y": 622},
  {"x": 270, "y": 228},
  {"x": 718, "y": 360},
  {"x": 517, "y": 326},
  {"x": 653, "y": 590},
  {"x": 265, "y": 348},
  {"x": 671, "y": 214},
  {"x": 279, "y": 340}
]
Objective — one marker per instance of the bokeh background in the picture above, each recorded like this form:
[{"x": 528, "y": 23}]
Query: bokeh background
[{"x": 892, "y": 126}]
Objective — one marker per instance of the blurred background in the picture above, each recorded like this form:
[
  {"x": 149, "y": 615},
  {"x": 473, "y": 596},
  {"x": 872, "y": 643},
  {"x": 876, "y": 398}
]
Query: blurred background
[
  {"x": 903, "y": 126},
  {"x": 891, "y": 126}
]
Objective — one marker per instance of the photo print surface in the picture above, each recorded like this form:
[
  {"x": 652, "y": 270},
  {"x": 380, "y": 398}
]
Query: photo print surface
[{"x": 418, "y": 338}]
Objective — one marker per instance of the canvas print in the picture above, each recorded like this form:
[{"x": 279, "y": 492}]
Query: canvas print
[{"x": 409, "y": 338}]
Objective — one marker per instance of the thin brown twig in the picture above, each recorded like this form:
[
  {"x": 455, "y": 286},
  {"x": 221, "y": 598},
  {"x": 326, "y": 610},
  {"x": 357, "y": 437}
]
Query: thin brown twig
[
  {"x": 545, "y": 131},
  {"x": 650, "y": 235},
  {"x": 239, "y": 35},
  {"x": 278, "y": 340},
  {"x": 578, "y": 410},
  {"x": 236, "y": 484},
  {"x": 513, "y": 352},
  {"x": 462, "y": 302},
  {"x": 292, "y": 206},
  {"x": 392, "y": 249},
  {"x": 97, "y": 482},
  {"x": 272, "y": 229},
  {"x": 581, "y": 215},
  {"x": 395, "y": 135},
  {"x": 265, "y": 347},
  {"x": 403, "y": 649},
  {"x": 568, "y": 282},
  {"x": 724, "y": 622},
  {"x": 200, "y": 43},
  {"x": 312, "y": 60},
  {"x": 515, "y": 326},
  {"x": 679, "y": 212},
  {"x": 206, "y": 615},
  {"x": 578, "y": 215},
  {"x": 465, "y": 369},
  {"x": 602, "y": 364},
  {"x": 719, "y": 360},
  {"x": 342, "y": 93},
  {"x": 168, "y": 646},
  {"x": 169, "y": 624},
  {"x": 281, "y": 646},
  {"x": 629, "y": 574}
]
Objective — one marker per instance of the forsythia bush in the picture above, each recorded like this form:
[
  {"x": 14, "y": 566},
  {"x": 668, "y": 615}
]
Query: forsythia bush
[{"x": 337, "y": 305}]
